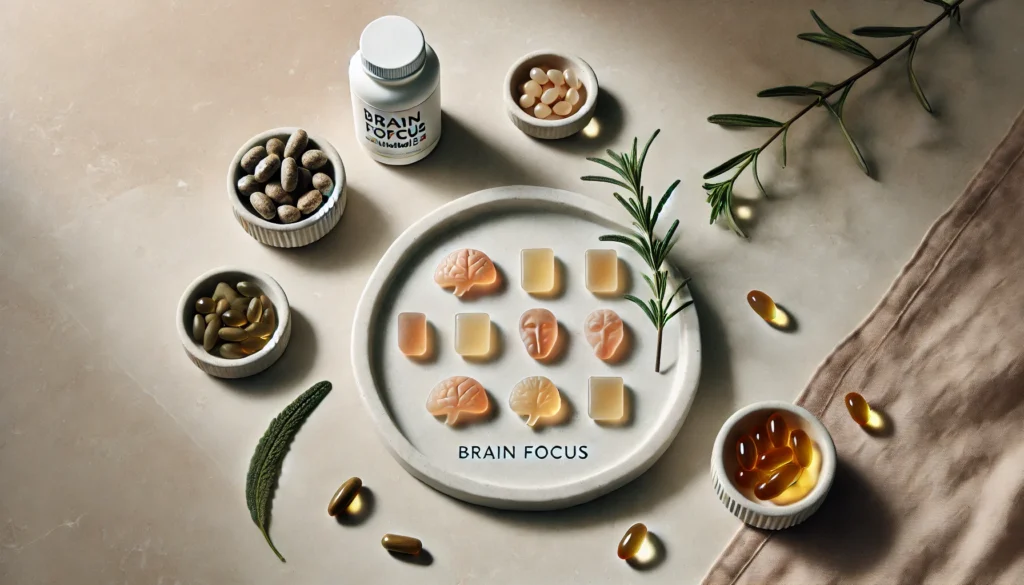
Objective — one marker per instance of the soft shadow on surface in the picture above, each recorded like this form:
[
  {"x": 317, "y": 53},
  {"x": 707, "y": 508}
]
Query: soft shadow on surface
[
  {"x": 284, "y": 375},
  {"x": 785, "y": 321},
  {"x": 850, "y": 533},
  {"x": 424, "y": 559},
  {"x": 362, "y": 232},
  {"x": 654, "y": 558},
  {"x": 602, "y": 131},
  {"x": 466, "y": 162},
  {"x": 686, "y": 460},
  {"x": 359, "y": 510}
]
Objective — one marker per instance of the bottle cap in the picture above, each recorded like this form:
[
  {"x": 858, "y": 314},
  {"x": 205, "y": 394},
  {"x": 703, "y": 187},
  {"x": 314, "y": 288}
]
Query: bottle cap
[{"x": 392, "y": 47}]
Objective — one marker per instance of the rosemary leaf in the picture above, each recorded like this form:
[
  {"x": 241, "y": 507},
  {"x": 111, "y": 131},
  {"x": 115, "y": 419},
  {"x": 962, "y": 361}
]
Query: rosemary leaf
[
  {"x": 631, "y": 243},
  {"x": 678, "y": 309},
  {"x": 744, "y": 120},
  {"x": 757, "y": 179},
  {"x": 788, "y": 91},
  {"x": 861, "y": 162},
  {"x": 732, "y": 162},
  {"x": 785, "y": 133},
  {"x": 614, "y": 168},
  {"x": 883, "y": 32},
  {"x": 642, "y": 305},
  {"x": 265, "y": 465},
  {"x": 663, "y": 201},
  {"x": 835, "y": 43},
  {"x": 914, "y": 84},
  {"x": 647, "y": 147},
  {"x": 600, "y": 179},
  {"x": 859, "y": 49}
]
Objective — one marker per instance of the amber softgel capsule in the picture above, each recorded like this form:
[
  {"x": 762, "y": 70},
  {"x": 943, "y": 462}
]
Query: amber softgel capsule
[
  {"x": 774, "y": 458},
  {"x": 343, "y": 497},
  {"x": 778, "y": 482},
  {"x": 803, "y": 450},
  {"x": 858, "y": 408},
  {"x": 746, "y": 453},
  {"x": 631, "y": 541},
  {"x": 778, "y": 431},
  {"x": 403, "y": 545}
]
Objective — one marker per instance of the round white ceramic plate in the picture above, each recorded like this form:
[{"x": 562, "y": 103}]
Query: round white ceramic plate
[{"x": 501, "y": 462}]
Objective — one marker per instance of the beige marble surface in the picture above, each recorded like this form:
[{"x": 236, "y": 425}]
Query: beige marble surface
[{"x": 122, "y": 463}]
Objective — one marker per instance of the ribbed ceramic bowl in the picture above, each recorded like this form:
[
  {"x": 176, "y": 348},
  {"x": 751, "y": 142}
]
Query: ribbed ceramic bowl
[
  {"x": 248, "y": 365},
  {"x": 549, "y": 129},
  {"x": 308, "y": 229},
  {"x": 778, "y": 513}
]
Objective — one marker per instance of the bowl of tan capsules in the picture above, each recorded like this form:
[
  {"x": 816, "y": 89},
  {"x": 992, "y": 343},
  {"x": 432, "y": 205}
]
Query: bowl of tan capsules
[
  {"x": 287, "y": 187},
  {"x": 773, "y": 464},
  {"x": 234, "y": 322}
]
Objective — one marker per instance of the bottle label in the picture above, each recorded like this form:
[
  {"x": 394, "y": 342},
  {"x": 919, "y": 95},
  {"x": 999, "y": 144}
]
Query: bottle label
[{"x": 399, "y": 134}]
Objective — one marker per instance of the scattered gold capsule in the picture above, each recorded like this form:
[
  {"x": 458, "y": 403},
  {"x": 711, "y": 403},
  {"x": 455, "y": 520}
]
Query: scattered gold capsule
[
  {"x": 803, "y": 450},
  {"x": 762, "y": 304},
  {"x": 344, "y": 496},
  {"x": 205, "y": 305},
  {"x": 405, "y": 545},
  {"x": 631, "y": 541},
  {"x": 858, "y": 407},
  {"x": 233, "y": 318},
  {"x": 778, "y": 430},
  {"x": 255, "y": 311}
]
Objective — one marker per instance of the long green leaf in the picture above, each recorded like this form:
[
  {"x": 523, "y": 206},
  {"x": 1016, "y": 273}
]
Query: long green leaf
[
  {"x": 618, "y": 170},
  {"x": 861, "y": 162},
  {"x": 265, "y": 465},
  {"x": 788, "y": 91},
  {"x": 744, "y": 120},
  {"x": 638, "y": 248},
  {"x": 841, "y": 102},
  {"x": 628, "y": 205},
  {"x": 676, "y": 311},
  {"x": 650, "y": 284},
  {"x": 732, "y": 162},
  {"x": 837, "y": 44},
  {"x": 757, "y": 179},
  {"x": 600, "y": 179},
  {"x": 643, "y": 157},
  {"x": 914, "y": 84},
  {"x": 884, "y": 32},
  {"x": 643, "y": 306},
  {"x": 667, "y": 240},
  {"x": 731, "y": 221},
  {"x": 663, "y": 201},
  {"x": 785, "y": 133},
  {"x": 861, "y": 49}
]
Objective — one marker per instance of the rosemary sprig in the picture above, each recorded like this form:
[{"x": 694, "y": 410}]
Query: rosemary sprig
[
  {"x": 720, "y": 194},
  {"x": 266, "y": 461},
  {"x": 653, "y": 250}
]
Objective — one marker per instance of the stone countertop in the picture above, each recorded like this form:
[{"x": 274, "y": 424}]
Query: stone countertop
[{"x": 122, "y": 463}]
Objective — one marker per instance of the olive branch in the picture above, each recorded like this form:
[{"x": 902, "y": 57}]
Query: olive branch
[
  {"x": 720, "y": 194},
  {"x": 652, "y": 249}
]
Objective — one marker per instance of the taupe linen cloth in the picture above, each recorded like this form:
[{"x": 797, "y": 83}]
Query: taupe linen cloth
[{"x": 939, "y": 497}]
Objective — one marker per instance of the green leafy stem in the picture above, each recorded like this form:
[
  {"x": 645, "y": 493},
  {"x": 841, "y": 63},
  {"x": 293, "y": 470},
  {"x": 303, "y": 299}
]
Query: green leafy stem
[
  {"x": 653, "y": 250},
  {"x": 720, "y": 194}
]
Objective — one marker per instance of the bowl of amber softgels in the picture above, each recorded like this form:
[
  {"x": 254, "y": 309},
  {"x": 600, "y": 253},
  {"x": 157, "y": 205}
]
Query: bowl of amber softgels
[
  {"x": 773, "y": 464},
  {"x": 234, "y": 322}
]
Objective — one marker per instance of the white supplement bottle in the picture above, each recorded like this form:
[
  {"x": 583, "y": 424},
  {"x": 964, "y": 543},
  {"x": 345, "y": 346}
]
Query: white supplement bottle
[{"x": 396, "y": 96}]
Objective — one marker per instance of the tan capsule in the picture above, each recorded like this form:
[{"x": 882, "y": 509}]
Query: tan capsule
[
  {"x": 233, "y": 318},
  {"x": 275, "y": 146},
  {"x": 542, "y": 111},
  {"x": 571, "y": 79},
  {"x": 267, "y": 167},
  {"x": 572, "y": 96},
  {"x": 289, "y": 174},
  {"x": 248, "y": 289},
  {"x": 549, "y": 96},
  {"x": 231, "y": 351},
  {"x": 631, "y": 541},
  {"x": 211, "y": 334},
  {"x": 322, "y": 182},
  {"x": 260, "y": 330},
  {"x": 344, "y": 496},
  {"x": 314, "y": 159},
  {"x": 223, "y": 290},
  {"x": 277, "y": 194},
  {"x": 269, "y": 317},
  {"x": 404, "y": 545},
  {"x": 240, "y": 304},
  {"x": 198, "y": 327},
  {"x": 205, "y": 305},
  {"x": 562, "y": 108},
  {"x": 297, "y": 143},
  {"x": 263, "y": 205},
  {"x": 211, "y": 317},
  {"x": 526, "y": 101},
  {"x": 309, "y": 202},
  {"x": 253, "y": 344},
  {"x": 233, "y": 334},
  {"x": 252, "y": 157},
  {"x": 255, "y": 311},
  {"x": 288, "y": 214},
  {"x": 248, "y": 185},
  {"x": 222, "y": 305}
]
